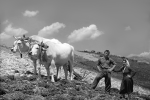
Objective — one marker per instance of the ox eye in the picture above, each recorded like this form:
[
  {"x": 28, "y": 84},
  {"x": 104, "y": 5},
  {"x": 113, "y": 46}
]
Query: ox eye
[{"x": 37, "y": 48}]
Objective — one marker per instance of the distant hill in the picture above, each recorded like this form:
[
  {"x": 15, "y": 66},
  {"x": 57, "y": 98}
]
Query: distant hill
[{"x": 140, "y": 59}]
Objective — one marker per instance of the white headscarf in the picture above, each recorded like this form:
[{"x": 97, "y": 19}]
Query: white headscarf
[{"x": 127, "y": 62}]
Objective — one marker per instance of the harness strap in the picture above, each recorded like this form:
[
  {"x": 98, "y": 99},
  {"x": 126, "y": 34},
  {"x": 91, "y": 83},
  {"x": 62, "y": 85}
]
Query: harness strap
[{"x": 21, "y": 52}]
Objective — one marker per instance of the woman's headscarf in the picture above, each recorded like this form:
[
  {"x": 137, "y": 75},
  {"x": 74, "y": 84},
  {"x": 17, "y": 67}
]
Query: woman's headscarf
[{"x": 127, "y": 62}]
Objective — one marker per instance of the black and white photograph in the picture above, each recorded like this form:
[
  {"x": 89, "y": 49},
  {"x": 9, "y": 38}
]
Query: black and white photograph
[{"x": 74, "y": 49}]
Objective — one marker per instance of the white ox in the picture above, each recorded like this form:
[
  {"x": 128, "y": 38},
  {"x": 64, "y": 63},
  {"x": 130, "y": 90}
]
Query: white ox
[
  {"x": 23, "y": 45},
  {"x": 61, "y": 54}
]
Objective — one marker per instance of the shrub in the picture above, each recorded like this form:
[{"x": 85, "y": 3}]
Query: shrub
[{"x": 15, "y": 96}]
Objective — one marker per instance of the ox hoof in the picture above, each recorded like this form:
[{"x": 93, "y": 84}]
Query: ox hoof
[{"x": 53, "y": 81}]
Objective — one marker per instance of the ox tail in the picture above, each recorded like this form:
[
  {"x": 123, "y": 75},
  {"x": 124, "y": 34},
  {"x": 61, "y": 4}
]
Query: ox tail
[
  {"x": 72, "y": 54},
  {"x": 70, "y": 63}
]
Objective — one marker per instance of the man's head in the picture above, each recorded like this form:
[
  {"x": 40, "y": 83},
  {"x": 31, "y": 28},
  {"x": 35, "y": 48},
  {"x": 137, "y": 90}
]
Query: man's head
[{"x": 106, "y": 53}]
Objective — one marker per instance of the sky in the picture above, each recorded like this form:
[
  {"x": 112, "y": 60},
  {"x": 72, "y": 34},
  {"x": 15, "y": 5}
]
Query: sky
[{"x": 122, "y": 26}]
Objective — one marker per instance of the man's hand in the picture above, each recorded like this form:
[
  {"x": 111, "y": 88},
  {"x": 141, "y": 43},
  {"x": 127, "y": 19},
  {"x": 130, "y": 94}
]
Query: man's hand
[
  {"x": 129, "y": 76},
  {"x": 111, "y": 69},
  {"x": 98, "y": 67}
]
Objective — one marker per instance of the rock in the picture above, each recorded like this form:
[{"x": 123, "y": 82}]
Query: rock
[
  {"x": 2, "y": 91},
  {"x": 35, "y": 97}
]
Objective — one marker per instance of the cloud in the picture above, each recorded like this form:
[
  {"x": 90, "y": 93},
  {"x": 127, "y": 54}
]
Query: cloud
[
  {"x": 128, "y": 28},
  {"x": 6, "y": 22},
  {"x": 4, "y": 36},
  {"x": 30, "y": 13},
  {"x": 49, "y": 30},
  {"x": 90, "y": 32},
  {"x": 9, "y": 30},
  {"x": 144, "y": 54}
]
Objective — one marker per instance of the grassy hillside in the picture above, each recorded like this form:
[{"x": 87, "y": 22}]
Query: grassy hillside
[{"x": 18, "y": 83}]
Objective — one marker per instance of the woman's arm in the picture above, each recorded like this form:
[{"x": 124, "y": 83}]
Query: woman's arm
[
  {"x": 118, "y": 70},
  {"x": 132, "y": 73}
]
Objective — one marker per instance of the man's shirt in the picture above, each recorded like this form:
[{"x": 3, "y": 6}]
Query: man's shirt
[{"x": 105, "y": 63}]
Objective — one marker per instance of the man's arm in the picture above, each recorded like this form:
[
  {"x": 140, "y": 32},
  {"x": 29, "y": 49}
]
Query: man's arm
[
  {"x": 99, "y": 65},
  {"x": 114, "y": 65}
]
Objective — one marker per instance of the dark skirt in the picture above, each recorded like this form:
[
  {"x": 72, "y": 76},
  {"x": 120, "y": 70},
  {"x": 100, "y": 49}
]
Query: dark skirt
[{"x": 126, "y": 85}]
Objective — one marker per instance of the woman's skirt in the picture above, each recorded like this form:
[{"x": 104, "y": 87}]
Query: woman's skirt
[{"x": 126, "y": 85}]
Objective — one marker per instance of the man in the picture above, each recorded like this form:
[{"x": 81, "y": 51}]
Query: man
[{"x": 105, "y": 66}]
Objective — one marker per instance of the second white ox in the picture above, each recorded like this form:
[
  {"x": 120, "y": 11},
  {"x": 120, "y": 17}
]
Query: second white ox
[{"x": 60, "y": 53}]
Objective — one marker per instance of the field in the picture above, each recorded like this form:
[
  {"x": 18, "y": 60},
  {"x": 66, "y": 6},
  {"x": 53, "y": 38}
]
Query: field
[{"x": 18, "y": 83}]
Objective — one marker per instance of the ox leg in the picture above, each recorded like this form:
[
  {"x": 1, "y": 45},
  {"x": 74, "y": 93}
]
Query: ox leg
[
  {"x": 52, "y": 76},
  {"x": 48, "y": 72},
  {"x": 66, "y": 71},
  {"x": 39, "y": 72},
  {"x": 71, "y": 70},
  {"x": 57, "y": 74},
  {"x": 34, "y": 64},
  {"x": 58, "y": 71}
]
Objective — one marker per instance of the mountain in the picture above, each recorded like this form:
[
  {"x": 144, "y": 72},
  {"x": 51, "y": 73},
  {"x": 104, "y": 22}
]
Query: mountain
[{"x": 143, "y": 57}]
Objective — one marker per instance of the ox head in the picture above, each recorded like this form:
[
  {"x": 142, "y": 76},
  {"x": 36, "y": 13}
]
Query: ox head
[
  {"x": 37, "y": 50},
  {"x": 21, "y": 44}
]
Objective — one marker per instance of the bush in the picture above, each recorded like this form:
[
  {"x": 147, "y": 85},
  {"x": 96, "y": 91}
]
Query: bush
[
  {"x": 35, "y": 97},
  {"x": 15, "y": 96}
]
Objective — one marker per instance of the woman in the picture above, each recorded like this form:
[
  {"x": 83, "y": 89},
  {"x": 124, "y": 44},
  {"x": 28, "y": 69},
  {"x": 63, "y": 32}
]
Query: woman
[{"x": 127, "y": 81}]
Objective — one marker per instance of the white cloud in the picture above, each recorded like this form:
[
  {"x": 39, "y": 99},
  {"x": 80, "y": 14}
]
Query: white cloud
[
  {"x": 90, "y": 32},
  {"x": 127, "y": 28},
  {"x": 30, "y": 13},
  {"x": 6, "y": 22},
  {"x": 49, "y": 30},
  {"x": 144, "y": 54},
  {"x": 4, "y": 36},
  {"x": 9, "y": 30}
]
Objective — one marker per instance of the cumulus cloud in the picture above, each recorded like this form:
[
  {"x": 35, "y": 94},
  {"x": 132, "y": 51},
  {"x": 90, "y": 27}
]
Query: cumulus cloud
[
  {"x": 9, "y": 30},
  {"x": 49, "y": 30},
  {"x": 30, "y": 13},
  {"x": 127, "y": 28},
  {"x": 144, "y": 54},
  {"x": 90, "y": 32},
  {"x": 4, "y": 36},
  {"x": 6, "y": 22}
]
